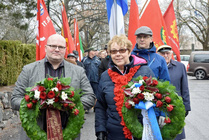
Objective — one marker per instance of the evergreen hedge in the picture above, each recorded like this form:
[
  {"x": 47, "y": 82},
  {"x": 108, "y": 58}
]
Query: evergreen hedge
[{"x": 13, "y": 56}]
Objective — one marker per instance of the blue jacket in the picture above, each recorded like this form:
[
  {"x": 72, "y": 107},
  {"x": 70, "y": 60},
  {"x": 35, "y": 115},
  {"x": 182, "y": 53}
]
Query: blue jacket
[
  {"x": 92, "y": 68},
  {"x": 156, "y": 62},
  {"x": 107, "y": 118}
]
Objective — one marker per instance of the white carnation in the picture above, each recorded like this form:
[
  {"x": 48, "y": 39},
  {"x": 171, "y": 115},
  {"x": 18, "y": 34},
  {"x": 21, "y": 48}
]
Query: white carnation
[
  {"x": 148, "y": 96},
  {"x": 55, "y": 89},
  {"x": 64, "y": 95},
  {"x": 50, "y": 101},
  {"x": 136, "y": 90},
  {"x": 141, "y": 82},
  {"x": 37, "y": 94},
  {"x": 131, "y": 102}
]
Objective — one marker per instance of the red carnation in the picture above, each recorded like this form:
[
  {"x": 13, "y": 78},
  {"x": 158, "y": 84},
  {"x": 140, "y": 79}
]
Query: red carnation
[
  {"x": 141, "y": 87},
  {"x": 154, "y": 82},
  {"x": 56, "y": 99},
  {"x": 136, "y": 100},
  {"x": 167, "y": 99},
  {"x": 72, "y": 94},
  {"x": 76, "y": 111},
  {"x": 43, "y": 95},
  {"x": 30, "y": 105},
  {"x": 59, "y": 86},
  {"x": 170, "y": 108},
  {"x": 50, "y": 79},
  {"x": 140, "y": 96},
  {"x": 158, "y": 95},
  {"x": 167, "y": 120},
  {"x": 128, "y": 105},
  {"x": 34, "y": 101},
  {"x": 145, "y": 77},
  {"x": 159, "y": 103},
  {"x": 65, "y": 104},
  {"x": 41, "y": 88},
  {"x": 72, "y": 105},
  {"x": 51, "y": 94},
  {"x": 27, "y": 98}
]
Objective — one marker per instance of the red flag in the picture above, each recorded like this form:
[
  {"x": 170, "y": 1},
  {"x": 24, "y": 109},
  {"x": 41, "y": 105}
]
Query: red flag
[
  {"x": 152, "y": 17},
  {"x": 170, "y": 21},
  {"x": 45, "y": 29},
  {"x": 76, "y": 38},
  {"x": 133, "y": 22},
  {"x": 67, "y": 34}
]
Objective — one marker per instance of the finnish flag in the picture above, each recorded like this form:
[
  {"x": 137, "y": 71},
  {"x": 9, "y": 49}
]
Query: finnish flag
[{"x": 116, "y": 10}]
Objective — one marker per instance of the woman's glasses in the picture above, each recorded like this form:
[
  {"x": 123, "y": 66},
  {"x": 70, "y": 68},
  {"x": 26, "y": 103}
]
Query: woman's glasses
[{"x": 116, "y": 51}]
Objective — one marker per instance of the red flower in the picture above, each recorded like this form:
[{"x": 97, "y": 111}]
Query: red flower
[
  {"x": 72, "y": 105},
  {"x": 30, "y": 105},
  {"x": 34, "y": 101},
  {"x": 145, "y": 77},
  {"x": 159, "y": 103},
  {"x": 140, "y": 96},
  {"x": 43, "y": 95},
  {"x": 76, "y": 111},
  {"x": 51, "y": 94},
  {"x": 136, "y": 100},
  {"x": 158, "y": 95},
  {"x": 41, "y": 88},
  {"x": 59, "y": 86},
  {"x": 56, "y": 99},
  {"x": 128, "y": 105},
  {"x": 167, "y": 99},
  {"x": 27, "y": 98},
  {"x": 154, "y": 82},
  {"x": 167, "y": 120},
  {"x": 65, "y": 104},
  {"x": 72, "y": 94},
  {"x": 141, "y": 87},
  {"x": 170, "y": 108},
  {"x": 50, "y": 79}
]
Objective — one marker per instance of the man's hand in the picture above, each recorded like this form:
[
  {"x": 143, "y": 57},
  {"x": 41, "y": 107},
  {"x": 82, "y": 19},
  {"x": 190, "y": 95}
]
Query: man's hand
[{"x": 161, "y": 121}]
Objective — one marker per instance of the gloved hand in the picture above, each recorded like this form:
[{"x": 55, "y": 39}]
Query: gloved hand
[
  {"x": 101, "y": 136},
  {"x": 187, "y": 112},
  {"x": 161, "y": 121}
]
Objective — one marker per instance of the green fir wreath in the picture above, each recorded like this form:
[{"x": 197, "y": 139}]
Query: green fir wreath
[
  {"x": 176, "y": 115},
  {"x": 30, "y": 108}
]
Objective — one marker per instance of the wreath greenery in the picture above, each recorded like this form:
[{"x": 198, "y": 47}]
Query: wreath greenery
[
  {"x": 175, "y": 117},
  {"x": 30, "y": 107}
]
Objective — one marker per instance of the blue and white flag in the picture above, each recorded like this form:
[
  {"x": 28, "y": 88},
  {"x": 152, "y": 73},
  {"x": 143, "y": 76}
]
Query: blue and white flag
[{"x": 116, "y": 10}]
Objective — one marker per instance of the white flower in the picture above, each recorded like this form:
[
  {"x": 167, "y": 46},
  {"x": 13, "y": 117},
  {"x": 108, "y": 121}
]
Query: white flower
[
  {"x": 136, "y": 90},
  {"x": 37, "y": 94},
  {"x": 141, "y": 82},
  {"x": 50, "y": 101},
  {"x": 148, "y": 96},
  {"x": 55, "y": 89},
  {"x": 64, "y": 95},
  {"x": 131, "y": 102}
]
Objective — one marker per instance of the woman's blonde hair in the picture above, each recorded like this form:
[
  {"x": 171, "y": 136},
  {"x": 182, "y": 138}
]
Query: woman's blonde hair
[{"x": 122, "y": 41}]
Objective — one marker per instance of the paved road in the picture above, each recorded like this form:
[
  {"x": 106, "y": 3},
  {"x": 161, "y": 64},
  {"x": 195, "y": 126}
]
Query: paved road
[{"x": 197, "y": 122}]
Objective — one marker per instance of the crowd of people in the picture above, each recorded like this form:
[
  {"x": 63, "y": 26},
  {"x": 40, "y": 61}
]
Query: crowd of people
[{"x": 96, "y": 75}]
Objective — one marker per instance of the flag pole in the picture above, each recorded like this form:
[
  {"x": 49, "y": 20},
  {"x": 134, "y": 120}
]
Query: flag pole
[{"x": 143, "y": 8}]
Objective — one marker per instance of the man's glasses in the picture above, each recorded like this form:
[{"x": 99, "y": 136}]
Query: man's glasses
[
  {"x": 55, "y": 47},
  {"x": 116, "y": 51}
]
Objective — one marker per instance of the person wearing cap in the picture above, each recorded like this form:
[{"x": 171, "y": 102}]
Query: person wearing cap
[
  {"x": 178, "y": 76},
  {"x": 76, "y": 59},
  {"x": 71, "y": 58},
  {"x": 91, "y": 64},
  {"x": 145, "y": 48}
]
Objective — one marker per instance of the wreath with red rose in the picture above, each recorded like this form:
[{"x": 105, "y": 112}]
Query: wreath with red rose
[
  {"x": 55, "y": 93},
  {"x": 160, "y": 93}
]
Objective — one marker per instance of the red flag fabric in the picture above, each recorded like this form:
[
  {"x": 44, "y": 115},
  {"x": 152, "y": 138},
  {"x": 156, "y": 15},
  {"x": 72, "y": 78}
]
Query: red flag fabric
[
  {"x": 67, "y": 34},
  {"x": 45, "y": 29},
  {"x": 170, "y": 21},
  {"x": 76, "y": 38},
  {"x": 152, "y": 17},
  {"x": 133, "y": 22}
]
